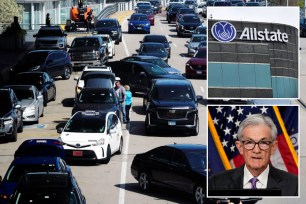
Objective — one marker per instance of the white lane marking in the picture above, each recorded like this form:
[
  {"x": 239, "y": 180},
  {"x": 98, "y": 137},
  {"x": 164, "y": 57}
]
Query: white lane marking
[
  {"x": 202, "y": 89},
  {"x": 125, "y": 148},
  {"x": 174, "y": 45},
  {"x": 123, "y": 42},
  {"x": 124, "y": 166}
]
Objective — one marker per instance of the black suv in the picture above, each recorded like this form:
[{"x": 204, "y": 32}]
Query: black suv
[
  {"x": 187, "y": 24},
  {"x": 54, "y": 62},
  {"x": 10, "y": 115},
  {"x": 109, "y": 26},
  {"x": 171, "y": 13},
  {"x": 51, "y": 37},
  {"x": 139, "y": 75},
  {"x": 158, "y": 39},
  {"x": 87, "y": 50},
  {"x": 172, "y": 104}
]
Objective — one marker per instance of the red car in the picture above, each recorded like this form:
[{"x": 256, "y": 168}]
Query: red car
[
  {"x": 197, "y": 65},
  {"x": 149, "y": 13}
]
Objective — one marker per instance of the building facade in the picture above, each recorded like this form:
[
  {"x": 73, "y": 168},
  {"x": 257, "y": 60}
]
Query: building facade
[{"x": 252, "y": 60}]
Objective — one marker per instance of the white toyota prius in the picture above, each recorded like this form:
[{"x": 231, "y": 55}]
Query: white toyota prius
[{"x": 92, "y": 135}]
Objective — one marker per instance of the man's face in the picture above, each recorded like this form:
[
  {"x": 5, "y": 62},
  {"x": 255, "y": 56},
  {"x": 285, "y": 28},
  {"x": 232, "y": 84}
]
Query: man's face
[
  {"x": 117, "y": 84},
  {"x": 256, "y": 159}
]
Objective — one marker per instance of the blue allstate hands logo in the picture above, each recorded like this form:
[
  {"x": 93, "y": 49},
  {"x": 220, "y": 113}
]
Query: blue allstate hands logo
[{"x": 223, "y": 31}]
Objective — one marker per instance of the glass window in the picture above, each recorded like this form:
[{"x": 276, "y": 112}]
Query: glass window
[
  {"x": 24, "y": 94},
  {"x": 196, "y": 159},
  {"x": 178, "y": 159},
  {"x": 173, "y": 92},
  {"x": 162, "y": 155},
  {"x": 85, "y": 125},
  {"x": 154, "y": 69}
]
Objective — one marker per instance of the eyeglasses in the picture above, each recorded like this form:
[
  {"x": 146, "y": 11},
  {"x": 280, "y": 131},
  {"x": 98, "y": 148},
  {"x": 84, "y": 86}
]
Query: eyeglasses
[{"x": 250, "y": 144}]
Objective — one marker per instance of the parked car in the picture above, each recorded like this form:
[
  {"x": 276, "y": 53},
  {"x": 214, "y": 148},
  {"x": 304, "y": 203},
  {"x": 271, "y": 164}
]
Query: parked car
[
  {"x": 22, "y": 165},
  {"x": 187, "y": 24},
  {"x": 153, "y": 49},
  {"x": 158, "y": 39},
  {"x": 31, "y": 101},
  {"x": 149, "y": 13},
  {"x": 50, "y": 37},
  {"x": 41, "y": 80},
  {"x": 92, "y": 135},
  {"x": 10, "y": 115},
  {"x": 171, "y": 104},
  {"x": 109, "y": 44},
  {"x": 97, "y": 99},
  {"x": 196, "y": 66},
  {"x": 172, "y": 11},
  {"x": 156, "y": 5},
  {"x": 110, "y": 26},
  {"x": 48, "y": 187},
  {"x": 139, "y": 22},
  {"x": 40, "y": 148},
  {"x": 54, "y": 62},
  {"x": 194, "y": 43},
  {"x": 80, "y": 80},
  {"x": 154, "y": 60},
  {"x": 139, "y": 75},
  {"x": 179, "y": 166},
  {"x": 87, "y": 50}
]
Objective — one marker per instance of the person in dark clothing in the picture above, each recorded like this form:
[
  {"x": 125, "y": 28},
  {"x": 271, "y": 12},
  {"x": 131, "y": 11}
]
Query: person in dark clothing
[
  {"x": 48, "y": 19},
  {"x": 88, "y": 20},
  {"x": 80, "y": 2}
]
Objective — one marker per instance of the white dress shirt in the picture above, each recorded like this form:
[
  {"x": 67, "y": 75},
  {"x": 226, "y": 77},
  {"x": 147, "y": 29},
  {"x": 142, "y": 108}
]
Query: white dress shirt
[{"x": 262, "y": 178}]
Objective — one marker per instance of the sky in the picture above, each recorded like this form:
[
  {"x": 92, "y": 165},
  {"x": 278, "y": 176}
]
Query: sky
[{"x": 283, "y": 15}]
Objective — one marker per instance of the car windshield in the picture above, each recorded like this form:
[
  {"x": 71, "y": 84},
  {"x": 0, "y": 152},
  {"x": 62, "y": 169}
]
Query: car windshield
[
  {"x": 6, "y": 104},
  {"x": 16, "y": 171},
  {"x": 105, "y": 39},
  {"x": 189, "y": 2},
  {"x": 85, "y": 125},
  {"x": 30, "y": 79},
  {"x": 145, "y": 11},
  {"x": 153, "y": 48},
  {"x": 173, "y": 93},
  {"x": 186, "y": 11},
  {"x": 101, "y": 97},
  {"x": 155, "y": 3},
  {"x": 175, "y": 9},
  {"x": 144, "y": 7},
  {"x": 193, "y": 19},
  {"x": 158, "y": 62},
  {"x": 198, "y": 38},
  {"x": 196, "y": 160},
  {"x": 49, "y": 32},
  {"x": 101, "y": 24},
  {"x": 158, "y": 39},
  {"x": 24, "y": 94},
  {"x": 154, "y": 69},
  {"x": 34, "y": 58},
  {"x": 201, "y": 53},
  {"x": 81, "y": 42},
  {"x": 139, "y": 18}
]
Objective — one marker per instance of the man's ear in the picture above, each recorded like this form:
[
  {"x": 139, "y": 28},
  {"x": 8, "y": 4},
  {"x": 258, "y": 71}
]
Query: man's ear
[
  {"x": 239, "y": 146},
  {"x": 274, "y": 146}
]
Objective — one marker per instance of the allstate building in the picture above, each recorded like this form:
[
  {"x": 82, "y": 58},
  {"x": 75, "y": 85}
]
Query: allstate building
[{"x": 252, "y": 60}]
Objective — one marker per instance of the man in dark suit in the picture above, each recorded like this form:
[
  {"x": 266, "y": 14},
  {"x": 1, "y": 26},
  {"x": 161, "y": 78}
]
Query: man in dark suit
[{"x": 256, "y": 143}]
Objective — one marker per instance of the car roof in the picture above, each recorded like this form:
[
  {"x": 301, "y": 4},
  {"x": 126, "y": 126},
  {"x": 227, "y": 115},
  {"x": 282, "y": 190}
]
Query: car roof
[
  {"x": 50, "y": 27},
  {"x": 22, "y": 87},
  {"x": 141, "y": 63},
  {"x": 93, "y": 89},
  {"x": 198, "y": 35},
  {"x": 145, "y": 57},
  {"x": 190, "y": 14},
  {"x": 175, "y": 82},
  {"x": 31, "y": 73},
  {"x": 86, "y": 37},
  {"x": 42, "y": 51},
  {"x": 187, "y": 147},
  {"x": 35, "y": 160},
  {"x": 152, "y": 43}
]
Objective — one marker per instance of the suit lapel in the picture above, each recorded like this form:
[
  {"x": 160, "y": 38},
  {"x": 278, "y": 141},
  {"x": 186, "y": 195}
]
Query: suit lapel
[
  {"x": 237, "y": 177},
  {"x": 274, "y": 178}
]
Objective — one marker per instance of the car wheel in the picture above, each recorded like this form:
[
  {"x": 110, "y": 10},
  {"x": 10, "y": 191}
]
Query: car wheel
[
  {"x": 199, "y": 194},
  {"x": 67, "y": 73},
  {"x": 120, "y": 40},
  {"x": 20, "y": 129},
  {"x": 54, "y": 95},
  {"x": 195, "y": 131},
  {"x": 14, "y": 134},
  {"x": 108, "y": 155},
  {"x": 120, "y": 146},
  {"x": 117, "y": 42},
  {"x": 144, "y": 181}
]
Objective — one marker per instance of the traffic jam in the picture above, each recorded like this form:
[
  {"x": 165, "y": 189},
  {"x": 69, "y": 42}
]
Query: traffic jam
[{"x": 42, "y": 169}]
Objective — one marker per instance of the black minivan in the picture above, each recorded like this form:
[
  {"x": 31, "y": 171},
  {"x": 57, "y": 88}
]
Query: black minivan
[{"x": 139, "y": 75}]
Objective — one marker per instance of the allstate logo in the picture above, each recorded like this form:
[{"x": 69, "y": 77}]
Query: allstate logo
[{"x": 223, "y": 31}]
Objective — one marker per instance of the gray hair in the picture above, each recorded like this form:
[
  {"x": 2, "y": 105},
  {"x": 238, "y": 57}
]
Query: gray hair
[{"x": 258, "y": 119}]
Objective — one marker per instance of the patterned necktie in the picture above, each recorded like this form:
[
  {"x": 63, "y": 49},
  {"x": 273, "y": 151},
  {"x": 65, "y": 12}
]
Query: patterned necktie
[{"x": 253, "y": 182}]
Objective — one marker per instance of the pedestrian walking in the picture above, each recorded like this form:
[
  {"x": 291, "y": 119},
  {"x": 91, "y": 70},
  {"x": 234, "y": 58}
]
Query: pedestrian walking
[
  {"x": 48, "y": 19},
  {"x": 128, "y": 102},
  {"x": 88, "y": 20},
  {"x": 120, "y": 91}
]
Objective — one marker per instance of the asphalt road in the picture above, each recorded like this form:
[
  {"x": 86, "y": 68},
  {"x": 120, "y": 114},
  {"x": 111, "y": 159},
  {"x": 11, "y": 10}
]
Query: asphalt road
[{"x": 113, "y": 183}]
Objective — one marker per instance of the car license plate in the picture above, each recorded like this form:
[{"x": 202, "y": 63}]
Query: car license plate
[
  {"x": 199, "y": 72},
  {"x": 171, "y": 123},
  {"x": 77, "y": 153},
  {"x": 138, "y": 28}
]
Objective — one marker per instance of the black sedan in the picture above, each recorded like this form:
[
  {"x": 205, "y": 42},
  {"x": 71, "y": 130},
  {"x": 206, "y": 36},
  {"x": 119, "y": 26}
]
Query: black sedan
[
  {"x": 158, "y": 39},
  {"x": 153, "y": 49},
  {"x": 178, "y": 166},
  {"x": 54, "y": 62},
  {"x": 41, "y": 80},
  {"x": 187, "y": 24}
]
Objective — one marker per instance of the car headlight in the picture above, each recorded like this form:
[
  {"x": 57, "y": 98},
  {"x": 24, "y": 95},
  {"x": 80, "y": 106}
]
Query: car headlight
[
  {"x": 147, "y": 24},
  {"x": 114, "y": 32},
  {"x": 97, "y": 142},
  {"x": 8, "y": 120}
]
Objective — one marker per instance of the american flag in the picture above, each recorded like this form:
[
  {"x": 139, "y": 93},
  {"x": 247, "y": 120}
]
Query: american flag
[{"x": 226, "y": 121}]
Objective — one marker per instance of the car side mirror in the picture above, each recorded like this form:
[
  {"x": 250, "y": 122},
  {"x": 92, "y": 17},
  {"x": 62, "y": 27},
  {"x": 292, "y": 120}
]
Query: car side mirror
[
  {"x": 199, "y": 98},
  {"x": 187, "y": 41},
  {"x": 75, "y": 78},
  {"x": 140, "y": 41},
  {"x": 137, "y": 50},
  {"x": 112, "y": 131},
  {"x": 60, "y": 130},
  {"x": 128, "y": 19},
  {"x": 18, "y": 106}
]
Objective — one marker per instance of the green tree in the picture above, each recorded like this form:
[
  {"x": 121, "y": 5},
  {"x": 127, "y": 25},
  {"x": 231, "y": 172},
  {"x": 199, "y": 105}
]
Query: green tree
[{"x": 9, "y": 9}]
